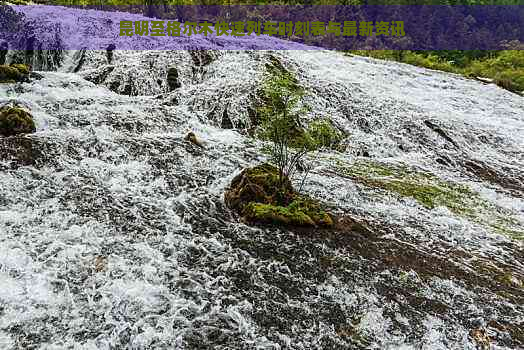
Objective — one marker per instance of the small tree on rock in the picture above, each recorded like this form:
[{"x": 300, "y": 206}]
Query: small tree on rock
[{"x": 280, "y": 123}]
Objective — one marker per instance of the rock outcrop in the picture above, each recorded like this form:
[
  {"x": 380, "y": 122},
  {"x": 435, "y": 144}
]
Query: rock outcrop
[
  {"x": 15, "y": 121},
  {"x": 260, "y": 195}
]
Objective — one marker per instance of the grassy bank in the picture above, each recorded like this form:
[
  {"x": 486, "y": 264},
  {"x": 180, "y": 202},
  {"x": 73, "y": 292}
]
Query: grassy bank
[{"x": 505, "y": 68}]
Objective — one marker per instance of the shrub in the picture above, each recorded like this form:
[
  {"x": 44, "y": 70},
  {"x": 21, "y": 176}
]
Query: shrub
[{"x": 280, "y": 122}]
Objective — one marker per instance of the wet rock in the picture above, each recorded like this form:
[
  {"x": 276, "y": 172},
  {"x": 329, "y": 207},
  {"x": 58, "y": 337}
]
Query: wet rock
[
  {"x": 191, "y": 137},
  {"x": 15, "y": 121},
  {"x": 172, "y": 79},
  {"x": 364, "y": 125},
  {"x": 226, "y": 121},
  {"x": 80, "y": 58},
  {"x": 17, "y": 150},
  {"x": 505, "y": 177},
  {"x": 109, "y": 52},
  {"x": 440, "y": 132},
  {"x": 100, "y": 76},
  {"x": 4, "y": 47},
  {"x": 128, "y": 90},
  {"x": 444, "y": 160},
  {"x": 171, "y": 101},
  {"x": 348, "y": 224},
  {"x": 35, "y": 76}
]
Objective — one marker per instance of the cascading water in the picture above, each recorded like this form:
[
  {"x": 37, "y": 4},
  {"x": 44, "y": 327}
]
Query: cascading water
[{"x": 114, "y": 233}]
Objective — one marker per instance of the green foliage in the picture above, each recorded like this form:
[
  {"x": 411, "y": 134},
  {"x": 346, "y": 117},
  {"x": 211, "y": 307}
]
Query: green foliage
[
  {"x": 505, "y": 67},
  {"x": 280, "y": 120}
]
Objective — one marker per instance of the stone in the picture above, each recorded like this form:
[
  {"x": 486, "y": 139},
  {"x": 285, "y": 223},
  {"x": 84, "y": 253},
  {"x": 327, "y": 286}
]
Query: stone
[{"x": 15, "y": 121}]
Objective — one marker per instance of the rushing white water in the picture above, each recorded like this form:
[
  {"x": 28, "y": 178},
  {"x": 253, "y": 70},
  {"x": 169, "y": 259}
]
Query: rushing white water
[{"x": 114, "y": 234}]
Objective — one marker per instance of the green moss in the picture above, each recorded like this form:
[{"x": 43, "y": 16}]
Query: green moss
[
  {"x": 14, "y": 121},
  {"x": 276, "y": 68},
  {"x": 13, "y": 73},
  {"x": 22, "y": 68},
  {"x": 272, "y": 214},
  {"x": 507, "y": 279},
  {"x": 259, "y": 195},
  {"x": 325, "y": 134},
  {"x": 431, "y": 192},
  {"x": 312, "y": 208},
  {"x": 8, "y": 73},
  {"x": 260, "y": 184},
  {"x": 426, "y": 189},
  {"x": 301, "y": 212}
]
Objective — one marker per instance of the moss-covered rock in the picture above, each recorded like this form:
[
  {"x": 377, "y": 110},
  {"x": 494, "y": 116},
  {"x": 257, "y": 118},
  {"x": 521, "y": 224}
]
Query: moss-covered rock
[
  {"x": 259, "y": 184},
  {"x": 22, "y": 68},
  {"x": 259, "y": 196},
  {"x": 275, "y": 214},
  {"x": 302, "y": 211},
  {"x": 14, "y": 73},
  {"x": 15, "y": 121}
]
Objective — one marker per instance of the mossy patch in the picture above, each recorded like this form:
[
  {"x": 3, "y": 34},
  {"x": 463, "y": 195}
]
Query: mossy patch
[
  {"x": 275, "y": 214},
  {"x": 431, "y": 192},
  {"x": 275, "y": 67},
  {"x": 14, "y": 73},
  {"x": 259, "y": 184},
  {"x": 15, "y": 121},
  {"x": 259, "y": 196},
  {"x": 325, "y": 134},
  {"x": 22, "y": 68},
  {"x": 302, "y": 211}
]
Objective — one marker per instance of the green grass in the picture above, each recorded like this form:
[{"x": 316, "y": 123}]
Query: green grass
[
  {"x": 505, "y": 68},
  {"x": 431, "y": 192}
]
